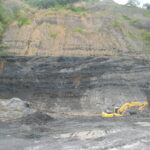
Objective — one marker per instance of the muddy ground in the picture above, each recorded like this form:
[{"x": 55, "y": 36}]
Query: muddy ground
[{"x": 65, "y": 132}]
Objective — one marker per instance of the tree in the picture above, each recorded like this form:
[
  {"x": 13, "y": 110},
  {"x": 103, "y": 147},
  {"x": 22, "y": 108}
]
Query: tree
[
  {"x": 134, "y": 3},
  {"x": 147, "y": 6},
  {"x": 49, "y": 3}
]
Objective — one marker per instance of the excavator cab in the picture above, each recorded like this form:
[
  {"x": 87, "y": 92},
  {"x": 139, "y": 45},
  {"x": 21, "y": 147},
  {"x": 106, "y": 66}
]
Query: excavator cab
[{"x": 111, "y": 113}]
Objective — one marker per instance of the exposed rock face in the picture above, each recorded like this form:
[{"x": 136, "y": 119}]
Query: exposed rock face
[
  {"x": 75, "y": 84},
  {"x": 103, "y": 31},
  {"x": 59, "y": 36}
]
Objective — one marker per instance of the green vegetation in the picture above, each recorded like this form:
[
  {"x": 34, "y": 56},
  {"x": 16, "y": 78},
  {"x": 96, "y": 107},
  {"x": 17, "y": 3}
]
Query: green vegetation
[
  {"x": 127, "y": 18},
  {"x": 129, "y": 47},
  {"x": 147, "y": 6},
  {"x": 59, "y": 6},
  {"x": 80, "y": 10},
  {"x": 134, "y": 3},
  {"x": 69, "y": 9},
  {"x": 52, "y": 11},
  {"x": 118, "y": 24},
  {"x": 21, "y": 18},
  {"x": 77, "y": 9},
  {"x": 53, "y": 34},
  {"x": 147, "y": 14},
  {"x": 145, "y": 35},
  {"x": 3, "y": 49},
  {"x": 44, "y": 4},
  {"x": 79, "y": 29},
  {"x": 3, "y": 46},
  {"x": 4, "y": 19},
  {"x": 147, "y": 44},
  {"x": 7, "y": 17},
  {"x": 23, "y": 21},
  {"x": 134, "y": 22},
  {"x": 102, "y": 12},
  {"x": 1, "y": 28},
  {"x": 132, "y": 36}
]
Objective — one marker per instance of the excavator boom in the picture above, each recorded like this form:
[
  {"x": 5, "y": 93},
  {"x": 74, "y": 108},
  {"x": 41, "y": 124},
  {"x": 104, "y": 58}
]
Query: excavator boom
[{"x": 141, "y": 106}]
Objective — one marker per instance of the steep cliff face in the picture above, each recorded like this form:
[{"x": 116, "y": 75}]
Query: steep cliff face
[
  {"x": 78, "y": 83},
  {"x": 52, "y": 68},
  {"x": 103, "y": 30},
  {"x": 74, "y": 84}
]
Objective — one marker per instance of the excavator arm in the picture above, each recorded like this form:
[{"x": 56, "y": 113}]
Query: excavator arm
[
  {"x": 120, "y": 111},
  {"x": 141, "y": 106}
]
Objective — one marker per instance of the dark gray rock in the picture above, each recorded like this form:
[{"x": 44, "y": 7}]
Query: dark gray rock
[
  {"x": 75, "y": 84},
  {"x": 36, "y": 118}
]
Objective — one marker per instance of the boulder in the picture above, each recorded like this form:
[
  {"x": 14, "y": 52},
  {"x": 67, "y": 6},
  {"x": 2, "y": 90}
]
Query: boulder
[{"x": 14, "y": 108}]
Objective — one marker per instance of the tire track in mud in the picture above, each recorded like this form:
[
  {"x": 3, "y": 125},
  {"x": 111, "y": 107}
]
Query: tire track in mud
[{"x": 130, "y": 136}]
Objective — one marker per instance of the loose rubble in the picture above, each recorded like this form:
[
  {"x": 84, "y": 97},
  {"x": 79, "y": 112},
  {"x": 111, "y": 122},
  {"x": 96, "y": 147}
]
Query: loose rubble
[{"x": 14, "y": 108}]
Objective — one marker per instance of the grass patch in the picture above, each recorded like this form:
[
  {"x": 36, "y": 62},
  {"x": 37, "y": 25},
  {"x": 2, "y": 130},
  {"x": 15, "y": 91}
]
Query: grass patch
[
  {"x": 136, "y": 22},
  {"x": 81, "y": 13},
  {"x": 68, "y": 9},
  {"x": 3, "y": 46},
  {"x": 61, "y": 10},
  {"x": 145, "y": 35},
  {"x": 3, "y": 50},
  {"x": 77, "y": 9},
  {"x": 4, "y": 53},
  {"x": 127, "y": 18},
  {"x": 21, "y": 17},
  {"x": 132, "y": 36},
  {"x": 118, "y": 24},
  {"x": 147, "y": 44},
  {"x": 5, "y": 19},
  {"x": 129, "y": 47},
  {"x": 102, "y": 12},
  {"x": 23, "y": 21},
  {"x": 53, "y": 34},
  {"x": 79, "y": 29},
  {"x": 146, "y": 14},
  {"x": 1, "y": 29},
  {"x": 80, "y": 10},
  {"x": 49, "y": 26}
]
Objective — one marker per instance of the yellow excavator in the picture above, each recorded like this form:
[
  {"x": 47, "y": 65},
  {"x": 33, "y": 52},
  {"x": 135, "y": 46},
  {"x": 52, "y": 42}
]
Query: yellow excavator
[{"x": 121, "y": 111}]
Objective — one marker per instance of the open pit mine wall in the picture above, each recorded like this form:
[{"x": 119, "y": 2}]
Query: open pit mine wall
[{"x": 75, "y": 84}]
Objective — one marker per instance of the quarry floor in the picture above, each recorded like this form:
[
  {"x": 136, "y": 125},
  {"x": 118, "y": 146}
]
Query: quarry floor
[{"x": 68, "y": 132}]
